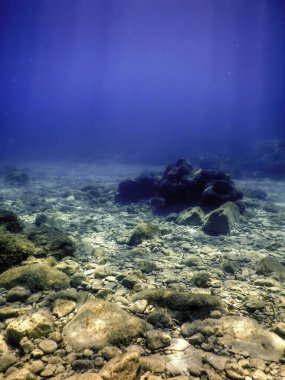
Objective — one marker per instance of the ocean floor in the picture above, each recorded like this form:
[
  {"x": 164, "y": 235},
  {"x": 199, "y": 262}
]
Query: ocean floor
[{"x": 179, "y": 305}]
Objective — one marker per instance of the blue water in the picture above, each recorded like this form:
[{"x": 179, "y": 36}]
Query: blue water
[{"x": 143, "y": 81}]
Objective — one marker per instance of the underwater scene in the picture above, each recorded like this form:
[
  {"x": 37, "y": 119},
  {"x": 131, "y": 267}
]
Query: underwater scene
[{"x": 142, "y": 189}]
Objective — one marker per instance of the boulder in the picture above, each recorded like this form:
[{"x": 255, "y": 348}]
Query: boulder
[
  {"x": 221, "y": 220},
  {"x": 191, "y": 217},
  {"x": 35, "y": 325},
  {"x": 34, "y": 276},
  {"x": 99, "y": 323},
  {"x": 143, "y": 231},
  {"x": 269, "y": 265},
  {"x": 10, "y": 221}
]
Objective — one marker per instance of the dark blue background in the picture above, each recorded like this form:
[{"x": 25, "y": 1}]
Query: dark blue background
[{"x": 139, "y": 79}]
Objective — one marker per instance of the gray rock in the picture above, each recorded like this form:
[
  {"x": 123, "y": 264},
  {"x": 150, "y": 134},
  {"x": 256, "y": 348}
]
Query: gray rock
[
  {"x": 221, "y": 220},
  {"x": 99, "y": 323},
  {"x": 35, "y": 325},
  {"x": 191, "y": 217}
]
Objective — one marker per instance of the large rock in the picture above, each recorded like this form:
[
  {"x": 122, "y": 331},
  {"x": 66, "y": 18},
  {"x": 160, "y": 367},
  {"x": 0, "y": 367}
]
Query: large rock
[
  {"x": 10, "y": 221},
  {"x": 35, "y": 276},
  {"x": 123, "y": 367},
  {"x": 221, "y": 220},
  {"x": 52, "y": 241},
  {"x": 99, "y": 323},
  {"x": 191, "y": 217},
  {"x": 241, "y": 334},
  {"x": 198, "y": 304},
  {"x": 143, "y": 231},
  {"x": 35, "y": 325},
  {"x": 14, "y": 248},
  {"x": 270, "y": 265}
]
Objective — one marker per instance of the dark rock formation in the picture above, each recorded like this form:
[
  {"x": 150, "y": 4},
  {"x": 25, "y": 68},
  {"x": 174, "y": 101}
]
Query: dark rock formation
[{"x": 142, "y": 187}]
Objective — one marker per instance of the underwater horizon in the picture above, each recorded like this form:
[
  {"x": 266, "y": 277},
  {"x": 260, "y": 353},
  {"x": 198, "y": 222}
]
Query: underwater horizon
[{"x": 142, "y": 190}]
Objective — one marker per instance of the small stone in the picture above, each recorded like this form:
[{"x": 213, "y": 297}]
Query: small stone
[
  {"x": 216, "y": 314},
  {"x": 196, "y": 338},
  {"x": 234, "y": 372},
  {"x": 36, "y": 366},
  {"x": 123, "y": 367},
  {"x": 110, "y": 352},
  {"x": 157, "y": 339},
  {"x": 48, "y": 346},
  {"x": 7, "y": 359},
  {"x": 49, "y": 370},
  {"x": 27, "y": 345},
  {"x": 62, "y": 307},
  {"x": 37, "y": 353}
]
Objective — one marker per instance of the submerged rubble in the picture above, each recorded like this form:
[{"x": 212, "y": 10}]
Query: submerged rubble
[{"x": 109, "y": 290}]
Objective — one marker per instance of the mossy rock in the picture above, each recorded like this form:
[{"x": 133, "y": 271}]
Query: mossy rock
[
  {"x": 35, "y": 276},
  {"x": 14, "y": 248},
  {"x": 270, "y": 265},
  {"x": 221, "y": 220},
  {"x": 191, "y": 217},
  {"x": 201, "y": 279},
  {"x": 181, "y": 301},
  {"x": 143, "y": 231},
  {"x": 52, "y": 241},
  {"x": 10, "y": 221}
]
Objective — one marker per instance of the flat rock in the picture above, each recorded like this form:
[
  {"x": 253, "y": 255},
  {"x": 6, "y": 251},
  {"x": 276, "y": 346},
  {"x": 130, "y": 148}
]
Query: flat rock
[
  {"x": 240, "y": 334},
  {"x": 99, "y": 323},
  {"x": 85, "y": 376},
  {"x": 62, "y": 307},
  {"x": 123, "y": 367}
]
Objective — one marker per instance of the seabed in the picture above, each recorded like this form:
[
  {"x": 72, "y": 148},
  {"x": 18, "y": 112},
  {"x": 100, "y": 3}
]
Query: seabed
[{"x": 179, "y": 305}]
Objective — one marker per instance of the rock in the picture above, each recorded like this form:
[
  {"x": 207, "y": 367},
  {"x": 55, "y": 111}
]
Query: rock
[
  {"x": 180, "y": 300},
  {"x": 143, "y": 231},
  {"x": 52, "y": 241},
  {"x": 279, "y": 329},
  {"x": 159, "y": 318},
  {"x": 231, "y": 266},
  {"x": 85, "y": 376},
  {"x": 3, "y": 345},
  {"x": 157, "y": 339},
  {"x": 99, "y": 323},
  {"x": 201, "y": 279},
  {"x": 110, "y": 352},
  {"x": 35, "y": 325},
  {"x": 7, "y": 359},
  {"x": 21, "y": 374},
  {"x": 191, "y": 217},
  {"x": 18, "y": 293},
  {"x": 218, "y": 192},
  {"x": 36, "y": 366},
  {"x": 221, "y": 220},
  {"x": 123, "y": 367},
  {"x": 70, "y": 267},
  {"x": 154, "y": 363},
  {"x": 62, "y": 307},
  {"x": 11, "y": 312},
  {"x": 14, "y": 248},
  {"x": 10, "y": 221},
  {"x": 48, "y": 346},
  {"x": 234, "y": 371},
  {"x": 142, "y": 187},
  {"x": 269, "y": 265},
  {"x": 26, "y": 345},
  {"x": 241, "y": 334},
  {"x": 35, "y": 276}
]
